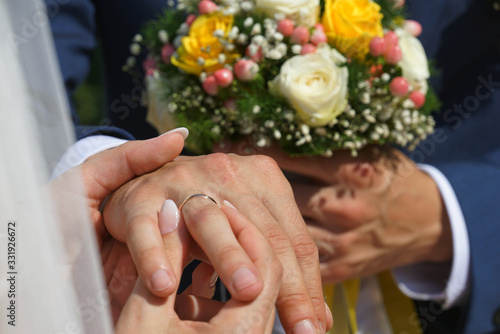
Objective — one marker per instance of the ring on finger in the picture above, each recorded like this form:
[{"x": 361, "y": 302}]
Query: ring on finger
[{"x": 195, "y": 196}]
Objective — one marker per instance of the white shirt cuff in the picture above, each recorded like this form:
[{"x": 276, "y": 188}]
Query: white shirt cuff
[
  {"x": 432, "y": 281},
  {"x": 84, "y": 149}
]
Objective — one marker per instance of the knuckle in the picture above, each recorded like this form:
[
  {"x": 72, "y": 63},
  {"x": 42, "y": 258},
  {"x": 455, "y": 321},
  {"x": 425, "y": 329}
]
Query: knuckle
[
  {"x": 220, "y": 161},
  {"x": 305, "y": 247},
  {"x": 143, "y": 255},
  {"x": 266, "y": 162},
  {"x": 228, "y": 252},
  {"x": 180, "y": 172},
  {"x": 137, "y": 222},
  {"x": 223, "y": 167},
  {"x": 290, "y": 300},
  {"x": 277, "y": 238}
]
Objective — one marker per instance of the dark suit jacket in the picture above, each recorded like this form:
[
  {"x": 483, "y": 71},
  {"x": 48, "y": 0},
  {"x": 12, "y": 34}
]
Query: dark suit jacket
[{"x": 462, "y": 36}]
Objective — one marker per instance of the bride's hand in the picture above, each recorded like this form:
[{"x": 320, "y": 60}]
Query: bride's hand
[
  {"x": 147, "y": 313},
  {"x": 102, "y": 174}
]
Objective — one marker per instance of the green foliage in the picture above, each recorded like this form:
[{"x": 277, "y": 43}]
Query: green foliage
[
  {"x": 391, "y": 13},
  {"x": 169, "y": 20},
  {"x": 432, "y": 102}
]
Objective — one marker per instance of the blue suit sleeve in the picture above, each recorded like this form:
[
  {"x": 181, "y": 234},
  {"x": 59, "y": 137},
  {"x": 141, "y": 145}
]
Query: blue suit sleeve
[
  {"x": 466, "y": 145},
  {"x": 73, "y": 26}
]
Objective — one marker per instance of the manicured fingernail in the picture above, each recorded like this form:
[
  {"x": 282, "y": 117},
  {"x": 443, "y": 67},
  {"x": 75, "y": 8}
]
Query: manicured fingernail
[
  {"x": 213, "y": 279},
  {"x": 328, "y": 312},
  {"x": 243, "y": 278},
  {"x": 229, "y": 205},
  {"x": 304, "y": 327},
  {"x": 182, "y": 131},
  {"x": 168, "y": 219},
  {"x": 160, "y": 280}
]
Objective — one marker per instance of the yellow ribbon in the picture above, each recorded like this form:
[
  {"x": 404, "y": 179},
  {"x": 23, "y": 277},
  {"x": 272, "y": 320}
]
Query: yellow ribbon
[{"x": 342, "y": 300}]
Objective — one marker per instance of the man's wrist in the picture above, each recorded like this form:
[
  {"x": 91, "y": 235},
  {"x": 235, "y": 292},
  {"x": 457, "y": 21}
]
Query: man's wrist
[{"x": 446, "y": 281}]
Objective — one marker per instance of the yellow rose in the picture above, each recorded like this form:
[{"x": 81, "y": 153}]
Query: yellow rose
[
  {"x": 351, "y": 24},
  {"x": 199, "y": 51}
]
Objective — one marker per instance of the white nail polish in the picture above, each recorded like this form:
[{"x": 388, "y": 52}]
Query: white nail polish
[
  {"x": 168, "y": 219},
  {"x": 227, "y": 203},
  {"x": 182, "y": 131},
  {"x": 213, "y": 279}
]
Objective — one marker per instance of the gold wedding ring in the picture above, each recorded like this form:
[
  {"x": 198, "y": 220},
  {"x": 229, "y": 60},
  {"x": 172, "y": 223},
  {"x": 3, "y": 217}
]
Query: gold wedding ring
[{"x": 194, "y": 196}]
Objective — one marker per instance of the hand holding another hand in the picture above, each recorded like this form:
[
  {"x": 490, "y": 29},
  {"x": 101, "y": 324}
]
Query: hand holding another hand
[
  {"x": 369, "y": 213},
  {"x": 259, "y": 191},
  {"x": 147, "y": 313}
]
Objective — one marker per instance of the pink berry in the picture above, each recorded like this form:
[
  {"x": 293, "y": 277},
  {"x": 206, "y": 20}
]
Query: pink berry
[
  {"x": 150, "y": 72},
  {"x": 399, "y": 86},
  {"x": 224, "y": 77},
  {"x": 300, "y": 35},
  {"x": 418, "y": 98},
  {"x": 190, "y": 19},
  {"x": 207, "y": 7},
  {"x": 318, "y": 37},
  {"x": 149, "y": 63},
  {"x": 413, "y": 27},
  {"x": 319, "y": 26},
  {"x": 377, "y": 46},
  {"x": 210, "y": 86},
  {"x": 246, "y": 69},
  {"x": 308, "y": 48},
  {"x": 167, "y": 51},
  {"x": 285, "y": 27},
  {"x": 391, "y": 38},
  {"x": 393, "y": 54}
]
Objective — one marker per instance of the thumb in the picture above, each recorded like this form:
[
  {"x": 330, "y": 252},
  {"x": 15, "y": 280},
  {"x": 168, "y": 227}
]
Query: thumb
[{"x": 108, "y": 170}]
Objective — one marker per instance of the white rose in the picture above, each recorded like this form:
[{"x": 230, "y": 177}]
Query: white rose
[
  {"x": 414, "y": 61},
  {"x": 304, "y": 12},
  {"x": 315, "y": 85}
]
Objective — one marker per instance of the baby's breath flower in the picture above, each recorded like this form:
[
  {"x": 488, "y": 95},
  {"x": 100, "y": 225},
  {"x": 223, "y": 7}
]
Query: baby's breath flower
[
  {"x": 296, "y": 49},
  {"x": 163, "y": 36},
  {"x": 277, "y": 134},
  {"x": 138, "y": 38},
  {"x": 131, "y": 61},
  {"x": 135, "y": 49},
  {"x": 242, "y": 39},
  {"x": 274, "y": 54},
  {"x": 246, "y": 6},
  {"x": 248, "y": 22}
]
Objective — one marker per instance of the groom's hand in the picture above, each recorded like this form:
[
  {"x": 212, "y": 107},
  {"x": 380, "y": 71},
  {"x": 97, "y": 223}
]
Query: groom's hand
[
  {"x": 369, "y": 213},
  {"x": 257, "y": 188}
]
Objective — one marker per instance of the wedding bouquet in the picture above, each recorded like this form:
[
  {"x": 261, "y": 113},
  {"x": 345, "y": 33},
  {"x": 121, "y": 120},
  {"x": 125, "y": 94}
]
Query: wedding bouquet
[{"x": 314, "y": 76}]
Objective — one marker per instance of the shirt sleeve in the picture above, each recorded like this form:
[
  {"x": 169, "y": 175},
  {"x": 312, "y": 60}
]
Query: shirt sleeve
[
  {"x": 84, "y": 149},
  {"x": 449, "y": 281}
]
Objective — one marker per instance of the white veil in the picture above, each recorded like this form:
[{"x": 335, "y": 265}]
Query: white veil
[{"x": 50, "y": 277}]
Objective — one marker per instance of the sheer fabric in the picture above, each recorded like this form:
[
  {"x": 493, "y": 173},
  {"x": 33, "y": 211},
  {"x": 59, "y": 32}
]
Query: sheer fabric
[{"x": 51, "y": 281}]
